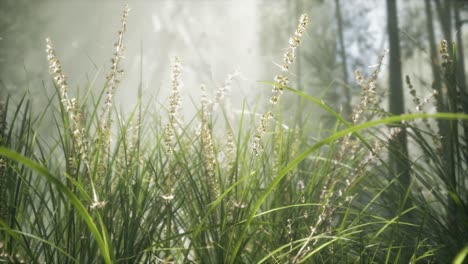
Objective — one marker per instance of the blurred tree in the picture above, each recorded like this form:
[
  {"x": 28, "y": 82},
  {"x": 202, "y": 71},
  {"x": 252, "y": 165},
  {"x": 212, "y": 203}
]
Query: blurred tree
[
  {"x": 346, "y": 87},
  {"x": 454, "y": 96},
  {"x": 461, "y": 73},
  {"x": 433, "y": 53},
  {"x": 398, "y": 158}
]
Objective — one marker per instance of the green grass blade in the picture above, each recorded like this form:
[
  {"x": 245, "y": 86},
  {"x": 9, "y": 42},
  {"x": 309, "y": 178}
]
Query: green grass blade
[{"x": 102, "y": 240}]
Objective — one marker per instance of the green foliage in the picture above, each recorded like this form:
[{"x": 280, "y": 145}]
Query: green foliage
[{"x": 149, "y": 188}]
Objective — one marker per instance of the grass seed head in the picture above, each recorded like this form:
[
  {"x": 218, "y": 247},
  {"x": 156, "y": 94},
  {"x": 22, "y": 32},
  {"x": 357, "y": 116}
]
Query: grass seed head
[{"x": 281, "y": 80}]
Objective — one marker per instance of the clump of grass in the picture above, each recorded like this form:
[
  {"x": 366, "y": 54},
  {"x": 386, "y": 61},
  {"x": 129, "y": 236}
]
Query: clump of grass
[
  {"x": 180, "y": 193},
  {"x": 336, "y": 189},
  {"x": 78, "y": 132},
  {"x": 440, "y": 186}
]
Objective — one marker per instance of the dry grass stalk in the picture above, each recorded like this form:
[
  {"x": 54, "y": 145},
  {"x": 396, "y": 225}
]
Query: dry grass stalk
[
  {"x": 209, "y": 157},
  {"x": 368, "y": 93},
  {"x": 103, "y": 135},
  {"x": 368, "y": 98},
  {"x": 230, "y": 156},
  {"x": 174, "y": 105},
  {"x": 71, "y": 106},
  {"x": 222, "y": 93},
  {"x": 281, "y": 79},
  {"x": 103, "y": 131},
  {"x": 172, "y": 127},
  {"x": 78, "y": 132},
  {"x": 419, "y": 107}
]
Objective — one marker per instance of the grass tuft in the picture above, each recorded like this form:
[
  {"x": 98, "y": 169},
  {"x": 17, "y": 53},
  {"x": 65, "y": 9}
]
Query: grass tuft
[{"x": 150, "y": 187}]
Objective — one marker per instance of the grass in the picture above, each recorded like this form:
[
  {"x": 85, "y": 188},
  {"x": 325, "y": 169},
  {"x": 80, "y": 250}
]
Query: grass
[{"x": 150, "y": 188}]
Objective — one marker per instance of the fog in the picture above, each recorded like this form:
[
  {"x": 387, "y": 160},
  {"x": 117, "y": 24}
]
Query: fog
[{"x": 211, "y": 38}]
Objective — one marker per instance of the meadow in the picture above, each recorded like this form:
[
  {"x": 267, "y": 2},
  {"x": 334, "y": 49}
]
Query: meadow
[{"x": 153, "y": 187}]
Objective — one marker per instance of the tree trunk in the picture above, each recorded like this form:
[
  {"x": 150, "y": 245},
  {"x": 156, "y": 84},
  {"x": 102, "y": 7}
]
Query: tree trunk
[
  {"x": 444, "y": 12},
  {"x": 399, "y": 159},
  {"x": 346, "y": 87},
  {"x": 399, "y": 156},
  {"x": 434, "y": 58},
  {"x": 461, "y": 78}
]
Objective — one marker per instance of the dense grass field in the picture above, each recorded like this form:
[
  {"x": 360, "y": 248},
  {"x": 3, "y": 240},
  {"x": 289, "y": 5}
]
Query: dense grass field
[{"x": 151, "y": 187}]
